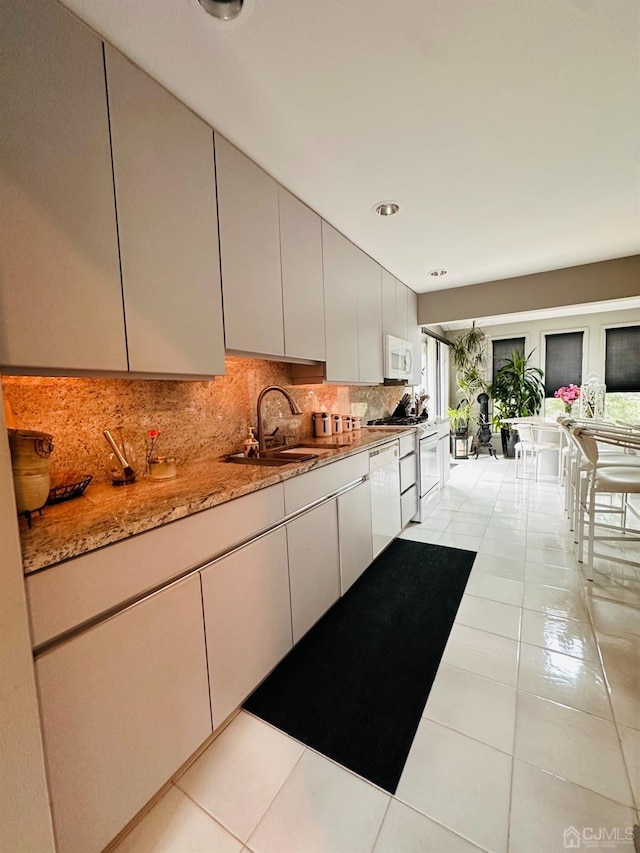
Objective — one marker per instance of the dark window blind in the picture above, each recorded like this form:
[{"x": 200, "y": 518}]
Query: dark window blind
[
  {"x": 502, "y": 352},
  {"x": 622, "y": 359},
  {"x": 563, "y": 361}
]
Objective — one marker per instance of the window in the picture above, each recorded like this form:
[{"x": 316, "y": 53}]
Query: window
[
  {"x": 502, "y": 350},
  {"x": 622, "y": 373},
  {"x": 563, "y": 361},
  {"x": 562, "y": 366},
  {"x": 435, "y": 372},
  {"x": 622, "y": 359}
]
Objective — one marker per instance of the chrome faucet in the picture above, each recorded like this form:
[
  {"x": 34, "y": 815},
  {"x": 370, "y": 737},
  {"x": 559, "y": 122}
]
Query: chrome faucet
[{"x": 295, "y": 410}]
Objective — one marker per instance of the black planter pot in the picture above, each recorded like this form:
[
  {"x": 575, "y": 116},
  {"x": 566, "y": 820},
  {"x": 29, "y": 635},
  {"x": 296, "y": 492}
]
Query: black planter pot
[{"x": 509, "y": 438}]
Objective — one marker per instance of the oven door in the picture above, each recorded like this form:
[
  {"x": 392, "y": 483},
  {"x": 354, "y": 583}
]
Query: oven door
[{"x": 429, "y": 464}]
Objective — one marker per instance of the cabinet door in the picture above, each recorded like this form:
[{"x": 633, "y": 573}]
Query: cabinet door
[
  {"x": 123, "y": 706},
  {"x": 394, "y": 306},
  {"x": 402, "y": 310},
  {"x": 341, "y": 305},
  {"x": 247, "y": 613},
  {"x": 415, "y": 337},
  {"x": 314, "y": 570},
  {"x": 60, "y": 290},
  {"x": 250, "y": 253},
  {"x": 354, "y": 532},
  {"x": 166, "y": 200},
  {"x": 389, "y": 325},
  {"x": 369, "y": 320},
  {"x": 302, "y": 280}
]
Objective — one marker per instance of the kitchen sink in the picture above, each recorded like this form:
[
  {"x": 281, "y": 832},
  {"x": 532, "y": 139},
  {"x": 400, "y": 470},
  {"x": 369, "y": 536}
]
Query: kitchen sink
[
  {"x": 287, "y": 454},
  {"x": 316, "y": 447},
  {"x": 271, "y": 458}
]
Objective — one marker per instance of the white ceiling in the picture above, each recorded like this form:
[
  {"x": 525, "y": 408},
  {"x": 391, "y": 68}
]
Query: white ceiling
[{"x": 507, "y": 130}]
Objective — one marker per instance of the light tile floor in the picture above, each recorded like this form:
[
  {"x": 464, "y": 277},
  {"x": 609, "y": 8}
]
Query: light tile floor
[{"x": 532, "y": 725}]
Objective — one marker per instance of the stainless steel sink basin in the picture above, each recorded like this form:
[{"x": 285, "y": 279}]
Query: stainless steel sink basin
[
  {"x": 287, "y": 454},
  {"x": 271, "y": 458},
  {"x": 316, "y": 447}
]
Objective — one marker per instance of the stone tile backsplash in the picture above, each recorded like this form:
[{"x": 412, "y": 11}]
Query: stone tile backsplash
[{"x": 196, "y": 420}]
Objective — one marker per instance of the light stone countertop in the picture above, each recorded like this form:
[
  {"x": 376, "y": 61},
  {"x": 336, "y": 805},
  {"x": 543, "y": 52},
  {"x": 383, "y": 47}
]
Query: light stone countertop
[{"x": 105, "y": 514}]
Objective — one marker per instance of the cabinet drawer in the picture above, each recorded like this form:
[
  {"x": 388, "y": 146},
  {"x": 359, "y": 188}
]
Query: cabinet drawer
[
  {"x": 408, "y": 471},
  {"x": 88, "y": 585},
  {"x": 409, "y": 505},
  {"x": 407, "y": 444},
  {"x": 303, "y": 490}
]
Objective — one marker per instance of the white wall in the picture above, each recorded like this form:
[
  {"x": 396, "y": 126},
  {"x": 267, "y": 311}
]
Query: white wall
[
  {"x": 533, "y": 331},
  {"x": 615, "y": 279},
  {"x": 25, "y": 820},
  {"x": 594, "y": 334}
]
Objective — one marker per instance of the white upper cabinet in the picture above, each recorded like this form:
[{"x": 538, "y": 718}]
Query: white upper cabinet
[
  {"x": 369, "y": 320},
  {"x": 414, "y": 335},
  {"x": 60, "y": 291},
  {"x": 341, "y": 306},
  {"x": 167, "y": 221},
  {"x": 402, "y": 309},
  {"x": 250, "y": 253},
  {"x": 394, "y": 306},
  {"x": 302, "y": 280},
  {"x": 389, "y": 326}
]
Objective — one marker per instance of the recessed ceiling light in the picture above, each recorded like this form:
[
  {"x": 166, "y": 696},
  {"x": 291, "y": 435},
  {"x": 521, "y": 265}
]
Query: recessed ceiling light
[
  {"x": 438, "y": 272},
  {"x": 225, "y": 10},
  {"x": 386, "y": 208}
]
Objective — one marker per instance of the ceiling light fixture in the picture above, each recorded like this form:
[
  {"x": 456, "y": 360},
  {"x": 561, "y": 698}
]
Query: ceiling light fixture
[
  {"x": 438, "y": 272},
  {"x": 224, "y": 10},
  {"x": 385, "y": 208}
]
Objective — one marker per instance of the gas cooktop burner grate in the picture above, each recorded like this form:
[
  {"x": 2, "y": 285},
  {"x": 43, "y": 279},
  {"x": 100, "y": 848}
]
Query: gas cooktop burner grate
[{"x": 410, "y": 420}]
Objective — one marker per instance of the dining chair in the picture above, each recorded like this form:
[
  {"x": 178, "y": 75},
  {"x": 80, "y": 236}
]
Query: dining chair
[{"x": 531, "y": 447}]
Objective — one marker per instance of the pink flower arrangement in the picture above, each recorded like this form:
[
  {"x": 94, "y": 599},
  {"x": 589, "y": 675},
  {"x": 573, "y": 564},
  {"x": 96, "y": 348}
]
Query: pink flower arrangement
[{"x": 568, "y": 394}]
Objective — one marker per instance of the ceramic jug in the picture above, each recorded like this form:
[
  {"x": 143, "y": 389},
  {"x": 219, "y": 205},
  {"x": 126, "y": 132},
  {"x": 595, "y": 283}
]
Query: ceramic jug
[{"x": 30, "y": 451}]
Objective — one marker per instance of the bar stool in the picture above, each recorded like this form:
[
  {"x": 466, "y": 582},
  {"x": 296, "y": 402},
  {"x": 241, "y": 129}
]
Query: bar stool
[{"x": 612, "y": 479}]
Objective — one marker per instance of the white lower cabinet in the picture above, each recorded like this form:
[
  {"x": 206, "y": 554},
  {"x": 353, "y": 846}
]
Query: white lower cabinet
[
  {"x": 123, "y": 706},
  {"x": 314, "y": 567},
  {"x": 247, "y": 612},
  {"x": 354, "y": 525}
]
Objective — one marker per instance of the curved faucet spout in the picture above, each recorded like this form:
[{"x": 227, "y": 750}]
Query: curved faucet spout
[{"x": 295, "y": 410}]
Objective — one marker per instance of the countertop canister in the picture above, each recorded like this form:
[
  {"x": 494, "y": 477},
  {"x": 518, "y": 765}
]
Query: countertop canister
[{"x": 30, "y": 451}]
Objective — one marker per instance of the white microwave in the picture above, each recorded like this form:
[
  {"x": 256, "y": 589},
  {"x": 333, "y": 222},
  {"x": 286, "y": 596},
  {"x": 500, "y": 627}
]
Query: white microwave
[{"x": 398, "y": 358}]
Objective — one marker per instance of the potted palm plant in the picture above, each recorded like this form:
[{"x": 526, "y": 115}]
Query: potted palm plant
[
  {"x": 468, "y": 354},
  {"x": 517, "y": 392}
]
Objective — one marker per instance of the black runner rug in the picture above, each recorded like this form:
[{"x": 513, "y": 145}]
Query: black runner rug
[{"x": 355, "y": 686}]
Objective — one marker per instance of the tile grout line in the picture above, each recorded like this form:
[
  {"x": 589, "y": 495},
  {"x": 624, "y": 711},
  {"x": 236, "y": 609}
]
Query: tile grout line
[{"x": 204, "y": 811}]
